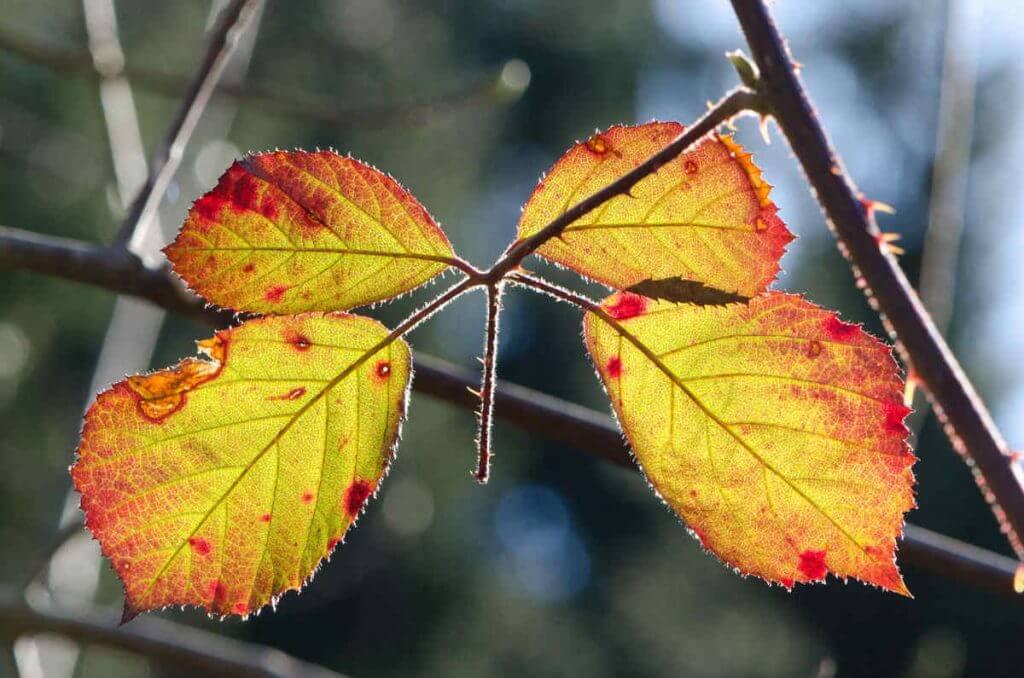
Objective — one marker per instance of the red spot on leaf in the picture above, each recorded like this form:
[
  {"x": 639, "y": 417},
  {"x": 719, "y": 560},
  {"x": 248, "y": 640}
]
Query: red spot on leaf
[
  {"x": 690, "y": 167},
  {"x": 299, "y": 341},
  {"x": 220, "y": 591},
  {"x": 787, "y": 582},
  {"x": 837, "y": 330},
  {"x": 307, "y": 497},
  {"x": 268, "y": 207},
  {"x": 275, "y": 293},
  {"x": 332, "y": 542},
  {"x": 356, "y": 495},
  {"x": 293, "y": 394},
  {"x": 895, "y": 413},
  {"x": 813, "y": 348},
  {"x": 627, "y": 305},
  {"x": 597, "y": 144},
  {"x": 246, "y": 193},
  {"x": 614, "y": 367},
  {"x": 265, "y": 518},
  {"x": 199, "y": 545},
  {"x": 382, "y": 369},
  {"x": 249, "y": 268},
  {"x": 240, "y": 608},
  {"x": 812, "y": 564},
  {"x": 209, "y": 206}
]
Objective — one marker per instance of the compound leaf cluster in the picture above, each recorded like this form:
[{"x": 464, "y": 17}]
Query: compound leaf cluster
[{"x": 773, "y": 429}]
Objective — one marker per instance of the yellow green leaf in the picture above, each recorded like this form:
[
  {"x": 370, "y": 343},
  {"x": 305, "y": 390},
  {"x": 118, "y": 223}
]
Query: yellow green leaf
[
  {"x": 286, "y": 232},
  {"x": 773, "y": 429},
  {"x": 224, "y": 482},
  {"x": 705, "y": 216}
]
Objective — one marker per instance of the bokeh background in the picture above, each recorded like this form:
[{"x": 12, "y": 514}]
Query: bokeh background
[{"x": 563, "y": 565}]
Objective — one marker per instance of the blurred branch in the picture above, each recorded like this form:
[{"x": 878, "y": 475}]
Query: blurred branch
[
  {"x": 502, "y": 86},
  {"x": 187, "y": 650},
  {"x": 120, "y": 272},
  {"x": 948, "y": 197},
  {"x": 965, "y": 418},
  {"x": 557, "y": 420},
  {"x": 197, "y": 95}
]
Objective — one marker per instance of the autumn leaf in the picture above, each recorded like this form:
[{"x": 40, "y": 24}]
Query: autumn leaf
[
  {"x": 224, "y": 482},
  {"x": 773, "y": 429},
  {"x": 286, "y": 232},
  {"x": 705, "y": 216}
]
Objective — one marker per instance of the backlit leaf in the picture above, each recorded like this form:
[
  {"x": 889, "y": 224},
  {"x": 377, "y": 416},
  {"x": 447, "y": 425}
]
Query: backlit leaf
[
  {"x": 773, "y": 429},
  {"x": 223, "y": 483},
  {"x": 286, "y": 232},
  {"x": 705, "y": 216}
]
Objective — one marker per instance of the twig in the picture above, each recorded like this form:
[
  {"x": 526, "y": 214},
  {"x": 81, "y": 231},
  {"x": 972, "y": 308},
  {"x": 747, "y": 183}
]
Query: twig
[
  {"x": 189, "y": 651},
  {"x": 557, "y": 420},
  {"x": 483, "y": 467},
  {"x": 168, "y": 156},
  {"x": 966, "y": 420},
  {"x": 494, "y": 88}
]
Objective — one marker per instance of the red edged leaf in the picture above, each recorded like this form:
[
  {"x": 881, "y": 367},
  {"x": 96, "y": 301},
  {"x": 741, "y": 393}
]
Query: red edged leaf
[
  {"x": 773, "y": 429},
  {"x": 286, "y": 232},
  {"x": 705, "y": 216},
  {"x": 223, "y": 483}
]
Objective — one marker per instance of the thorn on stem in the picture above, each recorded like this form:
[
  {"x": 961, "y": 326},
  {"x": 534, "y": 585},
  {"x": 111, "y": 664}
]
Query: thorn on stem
[
  {"x": 871, "y": 206},
  {"x": 763, "y": 127},
  {"x": 885, "y": 242}
]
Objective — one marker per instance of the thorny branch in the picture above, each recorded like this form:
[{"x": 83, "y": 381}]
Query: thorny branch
[
  {"x": 966, "y": 420},
  {"x": 483, "y": 468}
]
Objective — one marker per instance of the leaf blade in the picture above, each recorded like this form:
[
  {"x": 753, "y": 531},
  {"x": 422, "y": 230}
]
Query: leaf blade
[
  {"x": 227, "y": 510},
  {"x": 289, "y": 232},
  {"x": 773, "y": 430},
  {"x": 705, "y": 216}
]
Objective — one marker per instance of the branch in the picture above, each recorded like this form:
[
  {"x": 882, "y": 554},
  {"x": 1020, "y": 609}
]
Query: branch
[
  {"x": 557, "y": 420},
  {"x": 502, "y": 86},
  {"x": 963, "y": 414},
  {"x": 187, "y": 650},
  {"x": 117, "y": 271},
  {"x": 168, "y": 156}
]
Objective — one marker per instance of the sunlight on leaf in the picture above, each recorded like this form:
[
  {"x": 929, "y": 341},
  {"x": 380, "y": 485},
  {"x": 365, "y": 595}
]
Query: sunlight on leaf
[
  {"x": 774, "y": 430},
  {"x": 298, "y": 231},
  {"x": 223, "y": 483},
  {"x": 705, "y": 216}
]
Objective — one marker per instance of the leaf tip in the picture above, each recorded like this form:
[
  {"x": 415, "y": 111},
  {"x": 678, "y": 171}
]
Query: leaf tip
[{"x": 128, "y": 613}]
